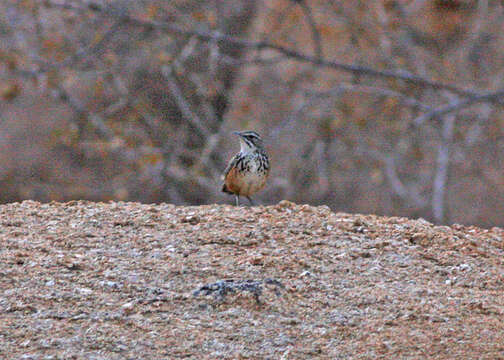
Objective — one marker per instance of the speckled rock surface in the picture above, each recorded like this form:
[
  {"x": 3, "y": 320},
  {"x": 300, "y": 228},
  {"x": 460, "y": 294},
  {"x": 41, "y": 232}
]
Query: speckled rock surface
[{"x": 125, "y": 280}]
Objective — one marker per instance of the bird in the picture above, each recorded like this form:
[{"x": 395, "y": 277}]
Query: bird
[{"x": 247, "y": 172}]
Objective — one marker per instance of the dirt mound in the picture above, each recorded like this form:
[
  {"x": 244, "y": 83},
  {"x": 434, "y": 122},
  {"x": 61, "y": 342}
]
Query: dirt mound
[{"x": 126, "y": 280}]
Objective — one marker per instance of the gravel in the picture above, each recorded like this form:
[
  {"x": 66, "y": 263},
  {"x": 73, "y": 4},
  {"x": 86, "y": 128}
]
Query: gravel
[{"x": 127, "y": 281}]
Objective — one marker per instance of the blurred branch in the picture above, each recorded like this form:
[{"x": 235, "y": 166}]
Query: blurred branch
[
  {"x": 266, "y": 45},
  {"x": 182, "y": 103},
  {"x": 457, "y": 105},
  {"x": 317, "y": 42},
  {"x": 322, "y": 161},
  {"x": 44, "y": 66},
  {"x": 397, "y": 185},
  {"x": 395, "y": 182},
  {"x": 442, "y": 165},
  {"x": 255, "y": 61},
  {"x": 184, "y": 177},
  {"x": 407, "y": 100},
  {"x": 186, "y": 51},
  {"x": 294, "y": 115},
  {"x": 208, "y": 149},
  {"x": 96, "y": 120},
  {"x": 184, "y": 106},
  {"x": 295, "y": 55}
]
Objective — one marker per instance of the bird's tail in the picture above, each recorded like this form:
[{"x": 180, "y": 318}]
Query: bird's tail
[{"x": 225, "y": 189}]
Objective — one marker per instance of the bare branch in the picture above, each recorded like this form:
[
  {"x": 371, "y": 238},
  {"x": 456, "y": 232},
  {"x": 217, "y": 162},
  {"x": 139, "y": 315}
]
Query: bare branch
[
  {"x": 95, "y": 119},
  {"x": 176, "y": 91},
  {"x": 182, "y": 103},
  {"x": 289, "y": 53},
  {"x": 458, "y": 104},
  {"x": 257, "y": 60},
  {"x": 397, "y": 185},
  {"x": 183, "y": 177},
  {"x": 395, "y": 182},
  {"x": 443, "y": 161},
  {"x": 320, "y": 155},
  {"x": 406, "y": 100},
  {"x": 74, "y": 58},
  {"x": 204, "y": 158},
  {"x": 317, "y": 42},
  {"x": 295, "y": 55}
]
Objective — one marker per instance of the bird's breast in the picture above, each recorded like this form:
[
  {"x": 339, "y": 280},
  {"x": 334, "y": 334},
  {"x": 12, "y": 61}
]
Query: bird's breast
[{"x": 248, "y": 176}]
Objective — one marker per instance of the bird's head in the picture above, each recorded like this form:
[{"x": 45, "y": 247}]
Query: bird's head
[{"x": 249, "y": 141}]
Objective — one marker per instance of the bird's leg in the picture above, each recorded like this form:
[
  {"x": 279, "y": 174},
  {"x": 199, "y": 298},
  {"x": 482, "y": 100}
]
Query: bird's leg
[
  {"x": 251, "y": 202},
  {"x": 237, "y": 197}
]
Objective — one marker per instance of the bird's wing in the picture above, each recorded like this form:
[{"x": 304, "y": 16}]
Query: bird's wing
[{"x": 230, "y": 165}]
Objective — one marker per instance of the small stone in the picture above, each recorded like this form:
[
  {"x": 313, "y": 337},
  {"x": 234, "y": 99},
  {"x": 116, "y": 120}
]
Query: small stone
[
  {"x": 464, "y": 267},
  {"x": 257, "y": 260},
  {"x": 84, "y": 291},
  {"x": 191, "y": 219},
  {"x": 128, "y": 307}
]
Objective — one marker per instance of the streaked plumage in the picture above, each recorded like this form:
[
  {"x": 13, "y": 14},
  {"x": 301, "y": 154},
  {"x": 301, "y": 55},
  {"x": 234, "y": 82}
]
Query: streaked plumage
[{"x": 248, "y": 170}]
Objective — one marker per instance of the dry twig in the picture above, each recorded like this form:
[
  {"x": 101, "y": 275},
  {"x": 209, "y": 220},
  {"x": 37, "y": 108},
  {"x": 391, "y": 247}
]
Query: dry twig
[
  {"x": 442, "y": 167},
  {"x": 459, "y": 104},
  {"x": 216, "y": 36}
]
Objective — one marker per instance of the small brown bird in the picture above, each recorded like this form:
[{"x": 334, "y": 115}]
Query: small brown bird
[{"x": 248, "y": 170}]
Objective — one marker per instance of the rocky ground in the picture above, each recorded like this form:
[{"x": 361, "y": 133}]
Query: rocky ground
[{"x": 131, "y": 281}]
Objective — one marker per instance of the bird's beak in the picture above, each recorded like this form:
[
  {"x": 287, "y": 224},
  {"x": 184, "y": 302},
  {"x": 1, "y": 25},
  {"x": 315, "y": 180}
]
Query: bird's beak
[{"x": 237, "y": 133}]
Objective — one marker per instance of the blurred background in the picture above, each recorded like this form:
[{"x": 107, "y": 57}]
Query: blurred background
[{"x": 384, "y": 107}]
